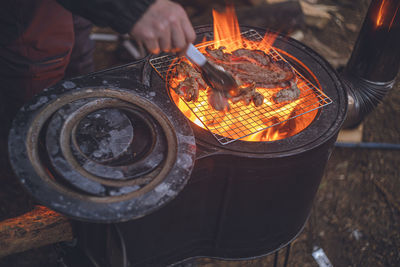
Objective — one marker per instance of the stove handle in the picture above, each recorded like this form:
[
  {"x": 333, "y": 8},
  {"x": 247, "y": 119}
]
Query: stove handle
[{"x": 202, "y": 151}]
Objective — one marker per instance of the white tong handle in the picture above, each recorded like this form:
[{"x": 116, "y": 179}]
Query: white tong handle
[{"x": 195, "y": 56}]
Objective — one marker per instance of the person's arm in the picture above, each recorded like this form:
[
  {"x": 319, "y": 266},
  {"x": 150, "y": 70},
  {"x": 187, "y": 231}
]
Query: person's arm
[
  {"x": 157, "y": 24},
  {"x": 120, "y": 15}
]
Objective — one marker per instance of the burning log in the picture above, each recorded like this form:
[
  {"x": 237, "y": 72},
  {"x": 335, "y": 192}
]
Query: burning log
[{"x": 34, "y": 229}]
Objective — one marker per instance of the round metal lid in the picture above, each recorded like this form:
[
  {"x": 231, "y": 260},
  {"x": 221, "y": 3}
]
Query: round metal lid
[{"x": 101, "y": 154}]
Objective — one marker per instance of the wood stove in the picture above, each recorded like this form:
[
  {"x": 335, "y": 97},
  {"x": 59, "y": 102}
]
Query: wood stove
[{"x": 112, "y": 149}]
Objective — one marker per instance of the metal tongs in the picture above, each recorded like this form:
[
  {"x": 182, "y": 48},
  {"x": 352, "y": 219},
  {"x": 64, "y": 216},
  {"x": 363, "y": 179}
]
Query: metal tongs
[{"x": 215, "y": 76}]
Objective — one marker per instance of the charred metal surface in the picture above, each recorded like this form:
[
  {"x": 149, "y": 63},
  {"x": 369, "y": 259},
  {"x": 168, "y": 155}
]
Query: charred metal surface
[
  {"x": 104, "y": 136},
  {"x": 376, "y": 54},
  {"x": 97, "y": 152},
  {"x": 233, "y": 207},
  {"x": 63, "y": 154},
  {"x": 375, "y": 61}
]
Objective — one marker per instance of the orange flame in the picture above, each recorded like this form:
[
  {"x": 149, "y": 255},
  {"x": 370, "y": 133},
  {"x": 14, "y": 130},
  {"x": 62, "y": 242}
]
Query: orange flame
[
  {"x": 394, "y": 16},
  {"x": 226, "y": 31},
  {"x": 380, "y": 17},
  {"x": 227, "y": 34},
  {"x": 385, "y": 15}
]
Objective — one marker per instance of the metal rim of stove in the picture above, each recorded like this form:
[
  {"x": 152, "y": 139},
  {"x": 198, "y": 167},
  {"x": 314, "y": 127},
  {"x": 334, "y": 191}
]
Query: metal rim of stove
[
  {"x": 166, "y": 180},
  {"x": 79, "y": 142},
  {"x": 311, "y": 98},
  {"x": 326, "y": 124},
  {"x": 76, "y": 131},
  {"x": 68, "y": 132},
  {"x": 41, "y": 118}
]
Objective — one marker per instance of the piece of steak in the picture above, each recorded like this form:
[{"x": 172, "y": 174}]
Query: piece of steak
[
  {"x": 218, "y": 100},
  {"x": 251, "y": 68},
  {"x": 192, "y": 83},
  {"x": 256, "y": 56},
  {"x": 287, "y": 94}
]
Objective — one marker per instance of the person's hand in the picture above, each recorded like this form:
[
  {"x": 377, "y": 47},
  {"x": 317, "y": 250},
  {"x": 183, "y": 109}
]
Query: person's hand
[{"x": 165, "y": 26}]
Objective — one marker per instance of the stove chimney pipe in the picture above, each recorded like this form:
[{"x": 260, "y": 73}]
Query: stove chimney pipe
[{"x": 375, "y": 61}]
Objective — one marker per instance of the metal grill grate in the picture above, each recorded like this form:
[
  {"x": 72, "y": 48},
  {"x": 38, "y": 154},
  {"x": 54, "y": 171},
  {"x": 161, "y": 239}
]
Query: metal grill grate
[{"x": 242, "y": 121}]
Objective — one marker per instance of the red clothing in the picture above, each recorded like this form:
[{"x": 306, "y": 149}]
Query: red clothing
[
  {"x": 38, "y": 57},
  {"x": 38, "y": 38},
  {"x": 41, "y": 42}
]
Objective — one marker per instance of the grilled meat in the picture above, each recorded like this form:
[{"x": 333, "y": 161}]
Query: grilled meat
[
  {"x": 251, "y": 68},
  {"x": 257, "y": 56},
  {"x": 218, "y": 54},
  {"x": 258, "y": 99},
  {"x": 287, "y": 94},
  {"x": 248, "y": 94},
  {"x": 192, "y": 83},
  {"x": 218, "y": 100},
  {"x": 188, "y": 89}
]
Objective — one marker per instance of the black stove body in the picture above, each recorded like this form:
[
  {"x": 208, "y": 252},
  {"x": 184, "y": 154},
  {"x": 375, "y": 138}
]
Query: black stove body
[{"x": 241, "y": 200}]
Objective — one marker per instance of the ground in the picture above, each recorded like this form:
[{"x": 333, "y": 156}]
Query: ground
[{"x": 356, "y": 215}]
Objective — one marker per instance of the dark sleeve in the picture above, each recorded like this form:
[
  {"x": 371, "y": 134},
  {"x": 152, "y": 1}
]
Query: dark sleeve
[{"x": 120, "y": 15}]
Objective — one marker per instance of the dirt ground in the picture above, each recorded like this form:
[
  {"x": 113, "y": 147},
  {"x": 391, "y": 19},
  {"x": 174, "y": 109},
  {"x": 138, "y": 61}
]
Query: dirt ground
[{"x": 356, "y": 214}]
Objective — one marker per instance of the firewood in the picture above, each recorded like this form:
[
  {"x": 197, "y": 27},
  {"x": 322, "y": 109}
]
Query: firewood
[{"x": 34, "y": 229}]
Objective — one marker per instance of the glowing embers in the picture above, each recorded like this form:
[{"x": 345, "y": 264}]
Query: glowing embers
[{"x": 268, "y": 122}]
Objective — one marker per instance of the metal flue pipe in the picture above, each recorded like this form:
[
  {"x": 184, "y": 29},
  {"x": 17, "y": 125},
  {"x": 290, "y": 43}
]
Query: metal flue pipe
[{"x": 375, "y": 61}]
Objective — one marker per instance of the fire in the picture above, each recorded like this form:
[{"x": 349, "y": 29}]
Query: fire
[
  {"x": 226, "y": 30},
  {"x": 380, "y": 17},
  {"x": 386, "y": 13},
  {"x": 234, "y": 124},
  {"x": 227, "y": 33}
]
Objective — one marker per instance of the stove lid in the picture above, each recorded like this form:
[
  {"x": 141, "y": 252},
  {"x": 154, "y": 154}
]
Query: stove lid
[{"x": 101, "y": 154}]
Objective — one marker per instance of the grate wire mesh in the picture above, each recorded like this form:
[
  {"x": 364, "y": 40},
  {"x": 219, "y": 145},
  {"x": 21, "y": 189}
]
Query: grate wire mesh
[{"x": 242, "y": 121}]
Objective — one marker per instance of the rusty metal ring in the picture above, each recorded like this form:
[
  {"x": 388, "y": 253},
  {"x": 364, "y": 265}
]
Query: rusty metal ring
[
  {"x": 78, "y": 149},
  {"x": 138, "y": 113},
  {"x": 45, "y": 113},
  {"x": 70, "y": 124}
]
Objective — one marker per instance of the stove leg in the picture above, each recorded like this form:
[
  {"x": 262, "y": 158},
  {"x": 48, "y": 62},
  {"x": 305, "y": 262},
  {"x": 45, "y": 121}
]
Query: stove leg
[
  {"x": 287, "y": 255},
  {"x": 276, "y": 258}
]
